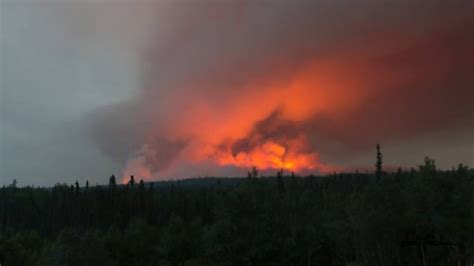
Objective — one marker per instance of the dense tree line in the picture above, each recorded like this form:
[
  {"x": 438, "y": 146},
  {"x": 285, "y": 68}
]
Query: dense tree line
[{"x": 421, "y": 216}]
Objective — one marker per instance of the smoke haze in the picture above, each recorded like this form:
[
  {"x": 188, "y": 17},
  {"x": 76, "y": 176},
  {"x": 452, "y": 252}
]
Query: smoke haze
[
  {"x": 173, "y": 89},
  {"x": 229, "y": 85}
]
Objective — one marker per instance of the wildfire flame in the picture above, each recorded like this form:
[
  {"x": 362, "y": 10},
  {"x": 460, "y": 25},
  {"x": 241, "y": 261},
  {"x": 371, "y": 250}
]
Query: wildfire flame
[
  {"x": 211, "y": 133},
  {"x": 270, "y": 155},
  {"x": 274, "y": 90}
]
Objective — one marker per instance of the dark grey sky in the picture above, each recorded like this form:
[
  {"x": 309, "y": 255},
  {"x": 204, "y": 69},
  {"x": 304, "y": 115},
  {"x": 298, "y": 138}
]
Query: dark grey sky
[{"x": 90, "y": 87}]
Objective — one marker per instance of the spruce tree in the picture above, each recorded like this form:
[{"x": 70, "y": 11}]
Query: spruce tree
[
  {"x": 150, "y": 187},
  {"x": 281, "y": 185},
  {"x": 378, "y": 163},
  {"x": 253, "y": 173},
  {"x": 293, "y": 181},
  {"x": 132, "y": 181},
  {"x": 112, "y": 181}
]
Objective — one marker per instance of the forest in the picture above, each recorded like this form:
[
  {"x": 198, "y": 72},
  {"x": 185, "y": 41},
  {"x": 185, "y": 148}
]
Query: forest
[{"x": 418, "y": 216}]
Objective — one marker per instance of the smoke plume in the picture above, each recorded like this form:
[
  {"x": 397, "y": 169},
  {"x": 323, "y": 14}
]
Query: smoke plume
[{"x": 228, "y": 85}]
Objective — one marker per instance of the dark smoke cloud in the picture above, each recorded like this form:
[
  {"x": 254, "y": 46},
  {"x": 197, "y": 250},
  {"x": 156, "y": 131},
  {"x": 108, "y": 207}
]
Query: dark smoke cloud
[
  {"x": 272, "y": 128},
  {"x": 412, "y": 62},
  {"x": 437, "y": 95}
]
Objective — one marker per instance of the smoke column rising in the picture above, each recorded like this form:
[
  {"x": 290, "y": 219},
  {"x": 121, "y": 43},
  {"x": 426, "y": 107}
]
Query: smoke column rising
[{"x": 279, "y": 84}]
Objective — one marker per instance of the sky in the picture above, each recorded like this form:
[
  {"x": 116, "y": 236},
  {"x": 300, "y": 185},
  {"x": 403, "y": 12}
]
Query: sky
[{"x": 174, "y": 89}]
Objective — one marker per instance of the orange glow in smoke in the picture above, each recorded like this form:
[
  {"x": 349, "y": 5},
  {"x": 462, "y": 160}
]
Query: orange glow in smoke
[
  {"x": 136, "y": 167},
  {"x": 211, "y": 123},
  {"x": 270, "y": 155},
  {"x": 318, "y": 99}
]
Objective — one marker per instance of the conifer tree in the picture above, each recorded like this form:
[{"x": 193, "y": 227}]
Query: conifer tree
[
  {"x": 428, "y": 167},
  {"x": 150, "y": 188},
  {"x": 293, "y": 181},
  {"x": 112, "y": 181},
  {"x": 378, "y": 163},
  {"x": 253, "y": 173},
  {"x": 132, "y": 181},
  {"x": 13, "y": 184},
  {"x": 281, "y": 185}
]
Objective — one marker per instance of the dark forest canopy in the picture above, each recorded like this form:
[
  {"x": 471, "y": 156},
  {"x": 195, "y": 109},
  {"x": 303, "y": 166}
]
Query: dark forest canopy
[{"x": 420, "y": 216}]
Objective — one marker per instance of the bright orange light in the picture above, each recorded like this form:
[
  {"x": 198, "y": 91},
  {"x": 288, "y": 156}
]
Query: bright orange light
[
  {"x": 210, "y": 123},
  {"x": 270, "y": 155}
]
